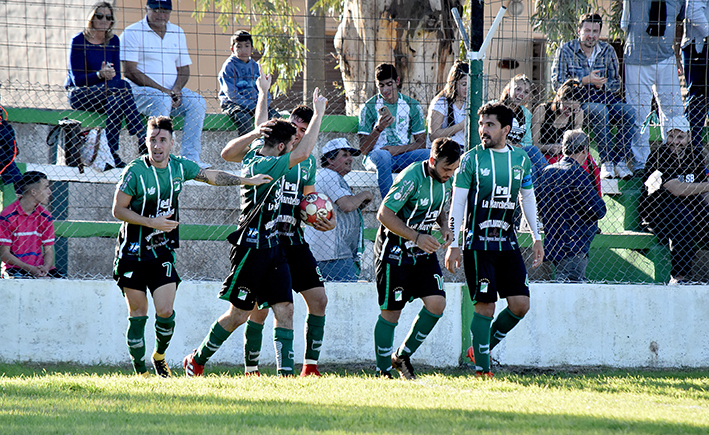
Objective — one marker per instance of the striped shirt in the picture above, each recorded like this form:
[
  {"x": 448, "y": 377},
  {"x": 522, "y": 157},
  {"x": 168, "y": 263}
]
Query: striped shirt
[{"x": 26, "y": 234}]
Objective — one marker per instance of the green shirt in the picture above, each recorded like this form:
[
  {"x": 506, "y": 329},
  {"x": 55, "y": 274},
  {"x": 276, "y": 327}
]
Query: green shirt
[
  {"x": 494, "y": 179},
  {"x": 408, "y": 120},
  {"x": 301, "y": 175},
  {"x": 418, "y": 200},
  {"x": 154, "y": 192}
]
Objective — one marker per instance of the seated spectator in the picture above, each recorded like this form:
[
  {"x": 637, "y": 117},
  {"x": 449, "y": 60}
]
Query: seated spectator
[
  {"x": 391, "y": 129},
  {"x": 446, "y": 114},
  {"x": 9, "y": 171},
  {"x": 237, "y": 84},
  {"x": 515, "y": 95},
  {"x": 27, "y": 231},
  {"x": 551, "y": 120},
  {"x": 675, "y": 199},
  {"x": 570, "y": 208},
  {"x": 94, "y": 80},
  {"x": 338, "y": 252}
]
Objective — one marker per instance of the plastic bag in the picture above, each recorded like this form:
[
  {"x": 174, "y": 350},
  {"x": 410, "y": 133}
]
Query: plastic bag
[{"x": 95, "y": 152}]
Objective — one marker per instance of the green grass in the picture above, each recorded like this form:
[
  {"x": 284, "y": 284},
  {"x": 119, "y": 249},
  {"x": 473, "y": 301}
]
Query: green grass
[{"x": 108, "y": 400}]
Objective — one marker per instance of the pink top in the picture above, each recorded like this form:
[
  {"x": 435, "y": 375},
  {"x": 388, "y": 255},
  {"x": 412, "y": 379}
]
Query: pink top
[{"x": 26, "y": 234}]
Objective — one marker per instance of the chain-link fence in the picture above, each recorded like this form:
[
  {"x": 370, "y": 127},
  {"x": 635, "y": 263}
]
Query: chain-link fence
[{"x": 40, "y": 45}]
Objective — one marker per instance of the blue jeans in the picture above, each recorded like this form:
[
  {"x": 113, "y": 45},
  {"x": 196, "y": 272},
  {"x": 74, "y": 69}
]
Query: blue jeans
[
  {"x": 599, "y": 117},
  {"x": 114, "y": 99},
  {"x": 339, "y": 270},
  {"x": 244, "y": 118},
  {"x": 572, "y": 268},
  {"x": 384, "y": 163},
  {"x": 153, "y": 102},
  {"x": 696, "y": 67}
]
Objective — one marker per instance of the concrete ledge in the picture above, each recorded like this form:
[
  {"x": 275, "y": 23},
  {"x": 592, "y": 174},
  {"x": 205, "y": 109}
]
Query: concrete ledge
[{"x": 569, "y": 324}]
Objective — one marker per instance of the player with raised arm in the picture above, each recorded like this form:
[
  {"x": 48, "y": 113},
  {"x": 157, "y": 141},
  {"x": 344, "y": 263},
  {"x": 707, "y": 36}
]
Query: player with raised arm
[{"x": 146, "y": 200}]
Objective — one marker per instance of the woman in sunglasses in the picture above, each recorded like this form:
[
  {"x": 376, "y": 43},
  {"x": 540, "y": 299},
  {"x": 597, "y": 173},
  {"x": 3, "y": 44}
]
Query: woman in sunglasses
[{"x": 94, "y": 80}]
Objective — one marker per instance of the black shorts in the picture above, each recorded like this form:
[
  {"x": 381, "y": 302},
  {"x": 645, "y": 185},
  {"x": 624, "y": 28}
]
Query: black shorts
[
  {"x": 398, "y": 285},
  {"x": 490, "y": 273},
  {"x": 153, "y": 274},
  {"x": 304, "y": 271},
  {"x": 258, "y": 276}
]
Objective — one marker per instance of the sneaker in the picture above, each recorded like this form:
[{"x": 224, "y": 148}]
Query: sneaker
[
  {"x": 310, "y": 370},
  {"x": 622, "y": 171},
  {"x": 192, "y": 369},
  {"x": 678, "y": 281},
  {"x": 161, "y": 367},
  {"x": 484, "y": 375},
  {"x": 384, "y": 375},
  {"x": 402, "y": 364},
  {"x": 607, "y": 171}
]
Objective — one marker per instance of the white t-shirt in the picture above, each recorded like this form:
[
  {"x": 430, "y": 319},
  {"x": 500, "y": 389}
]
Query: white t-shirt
[
  {"x": 440, "y": 105},
  {"x": 157, "y": 57}
]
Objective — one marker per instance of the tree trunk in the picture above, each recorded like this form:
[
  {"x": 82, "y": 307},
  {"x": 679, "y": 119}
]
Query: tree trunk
[{"x": 418, "y": 37}]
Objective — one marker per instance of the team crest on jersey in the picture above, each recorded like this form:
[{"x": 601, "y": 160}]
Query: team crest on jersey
[
  {"x": 151, "y": 190},
  {"x": 485, "y": 172},
  {"x": 517, "y": 173},
  {"x": 398, "y": 294},
  {"x": 176, "y": 185},
  {"x": 243, "y": 293}
]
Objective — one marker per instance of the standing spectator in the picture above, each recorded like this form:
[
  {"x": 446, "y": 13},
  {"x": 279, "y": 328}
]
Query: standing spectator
[
  {"x": 675, "y": 200},
  {"x": 595, "y": 65},
  {"x": 650, "y": 65},
  {"x": 156, "y": 62},
  {"x": 405, "y": 254},
  {"x": 391, "y": 131},
  {"x": 27, "y": 231},
  {"x": 446, "y": 114},
  {"x": 9, "y": 172},
  {"x": 338, "y": 252},
  {"x": 237, "y": 84},
  {"x": 486, "y": 189},
  {"x": 696, "y": 66},
  {"x": 146, "y": 200},
  {"x": 570, "y": 207},
  {"x": 94, "y": 80}
]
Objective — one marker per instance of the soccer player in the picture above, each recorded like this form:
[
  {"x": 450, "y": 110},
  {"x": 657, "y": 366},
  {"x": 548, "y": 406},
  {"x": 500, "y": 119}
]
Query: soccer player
[
  {"x": 260, "y": 276},
  {"x": 146, "y": 200},
  {"x": 405, "y": 254},
  {"x": 491, "y": 177}
]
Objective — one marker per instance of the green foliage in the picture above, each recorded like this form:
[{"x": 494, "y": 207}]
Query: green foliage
[
  {"x": 274, "y": 29},
  {"x": 334, "y": 8}
]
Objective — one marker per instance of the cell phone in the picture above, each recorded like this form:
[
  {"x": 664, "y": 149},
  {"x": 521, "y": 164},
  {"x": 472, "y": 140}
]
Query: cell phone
[{"x": 384, "y": 111}]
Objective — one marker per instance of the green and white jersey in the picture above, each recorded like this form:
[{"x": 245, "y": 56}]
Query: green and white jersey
[
  {"x": 289, "y": 227},
  {"x": 154, "y": 192},
  {"x": 417, "y": 199},
  {"x": 260, "y": 204},
  {"x": 494, "y": 179},
  {"x": 408, "y": 120}
]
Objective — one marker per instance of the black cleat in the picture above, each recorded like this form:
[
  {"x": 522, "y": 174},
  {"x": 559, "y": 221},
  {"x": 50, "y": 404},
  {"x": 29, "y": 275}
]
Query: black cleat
[{"x": 403, "y": 366}]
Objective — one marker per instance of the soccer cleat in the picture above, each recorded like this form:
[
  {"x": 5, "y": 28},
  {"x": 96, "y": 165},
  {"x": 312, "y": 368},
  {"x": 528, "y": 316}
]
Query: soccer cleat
[
  {"x": 402, "y": 364},
  {"x": 622, "y": 171},
  {"x": 310, "y": 370},
  {"x": 484, "y": 375},
  {"x": 384, "y": 375},
  {"x": 143, "y": 375},
  {"x": 192, "y": 369},
  {"x": 471, "y": 355},
  {"x": 255, "y": 374},
  {"x": 607, "y": 170},
  {"x": 161, "y": 367}
]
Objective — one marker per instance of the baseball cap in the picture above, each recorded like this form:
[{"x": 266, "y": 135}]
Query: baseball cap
[
  {"x": 339, "y": 144},
  {"x": 676, "y": 123},
  {"x": 160, "y": 4},
  {"x": 574, "y": 141}
]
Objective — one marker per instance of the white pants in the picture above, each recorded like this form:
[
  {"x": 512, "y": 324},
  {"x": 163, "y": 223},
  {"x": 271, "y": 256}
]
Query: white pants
[{"x": 642, "y": 82}]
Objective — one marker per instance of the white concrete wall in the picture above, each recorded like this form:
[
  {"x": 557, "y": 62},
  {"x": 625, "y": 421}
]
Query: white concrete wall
[{"x": 614, "y": 325}]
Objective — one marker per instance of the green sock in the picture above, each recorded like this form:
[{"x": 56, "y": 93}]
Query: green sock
[
  {"x": 423, "y": 325},
  {"x": 504, "y": 323},
  {"x": 480, "y": 327},
  {"x": 135, "y": 339},
  {"x": 164, "y": 328},
  {"x": 211, "y": 344},
  {"x": 285, "y": 358},
  {"x": 253, "y": 337},
  {"x": 384, "y": 343},
  {"x": 314, "y": 331}
]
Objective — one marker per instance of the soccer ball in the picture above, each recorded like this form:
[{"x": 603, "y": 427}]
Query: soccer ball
[{"x": 315, "y": 205}]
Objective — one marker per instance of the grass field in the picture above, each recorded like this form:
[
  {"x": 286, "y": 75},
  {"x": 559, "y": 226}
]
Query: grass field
[{"x": 65, "y": 399}]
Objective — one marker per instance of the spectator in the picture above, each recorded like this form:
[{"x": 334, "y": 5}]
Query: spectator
[
  {"x": 338, "y": 252},
  {"x": 650, "y": 66},
  {"x": 156, "y": 62},
  {"x": 94, "y": 80},
  {"x": 515, "y": 95},
  {"x": 675, "y": 200},
  {"x": 9, "y": 172},
  {"x": 446, "y": 114},
  {"x": 27, "y": 231},
  {"x": 237, "y": 84},
  {"x": 696, "y": 66},
  {"x": 570, "y": 208},
  {"x": 391, "y": 130},
  {"x": 595, "y": 65}
]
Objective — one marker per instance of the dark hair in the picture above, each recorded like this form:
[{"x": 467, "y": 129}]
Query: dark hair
[
  {"x": 570, "y": 90},
  {"x": 281, "y": 132},
  {"x": 90, "y": 20},
  {"x": 241, "y": 36},
  {"x": 457, "y": 72},
  {"x": 303, "y": 112},
  {"x": 445, "y": 148},
  {"x": 385, "y": 71},
  {"x": 505, "y": 94},
  {"x": 324, "y": 159},
  {"x": 590, "y": 18},
  {"x": 160, "y": 123},
  {"x": 29, "y": 179},
  {"x": 504, "y": 114}
]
